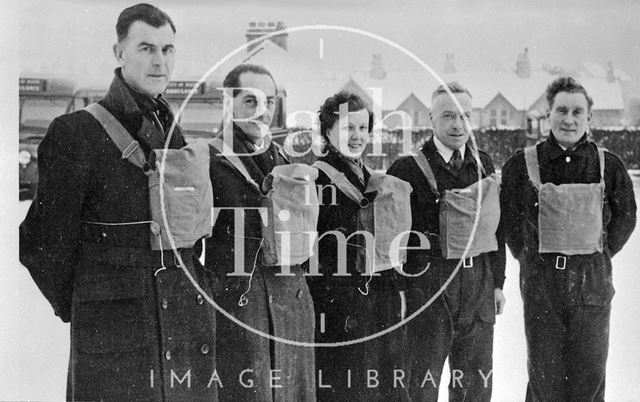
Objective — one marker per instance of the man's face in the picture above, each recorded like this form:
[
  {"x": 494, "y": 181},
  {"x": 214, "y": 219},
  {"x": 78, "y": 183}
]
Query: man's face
[
  {"x": 569, "y": 117},
  {"x": 147, "y": 56},
  {"x": 448, "y": 122},
  {"x": 258, "y": 104}
]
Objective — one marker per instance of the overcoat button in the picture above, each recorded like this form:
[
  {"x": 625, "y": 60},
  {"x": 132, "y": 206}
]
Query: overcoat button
[
  {"x": 200, "y": 299},
  {"x": 299, "y": 295},
  {"x": 164, "y": 304},
  {"x": 204, "y": 349},
  {"x": 167, "y": 355},
  {"x": 270, "y": 299}
]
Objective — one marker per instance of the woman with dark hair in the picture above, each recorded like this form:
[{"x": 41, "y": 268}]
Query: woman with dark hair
[{"x": 353, "y": 304}]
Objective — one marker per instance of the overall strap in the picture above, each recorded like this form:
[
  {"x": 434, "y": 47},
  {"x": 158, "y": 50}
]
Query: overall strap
[
  {"x": 424, "y": 166},
  {"x": 218, "y": 144},
  {"x": 340, "y": 180},
  {"x": 281, "y": 151},
  {"x": 129, "y": 147},
  {"x": 476, "y": 157},
  {"x": 533, "y": 169},
  {"x": 601, "y": 160}
]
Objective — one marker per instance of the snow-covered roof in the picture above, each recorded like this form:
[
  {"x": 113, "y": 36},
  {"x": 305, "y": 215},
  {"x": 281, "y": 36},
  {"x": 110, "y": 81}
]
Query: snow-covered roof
[
  {"x": 605, "y": 95},
  {"x": 398, "y": 85},
  {"x": 485, "y": 85},
  {"x": 592, "y": 69},
  {"x": 309, "y": 82}
]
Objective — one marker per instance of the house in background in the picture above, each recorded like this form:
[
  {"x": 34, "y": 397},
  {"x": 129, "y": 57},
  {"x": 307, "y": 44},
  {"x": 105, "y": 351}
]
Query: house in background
[{"x": 507, "y": 98}]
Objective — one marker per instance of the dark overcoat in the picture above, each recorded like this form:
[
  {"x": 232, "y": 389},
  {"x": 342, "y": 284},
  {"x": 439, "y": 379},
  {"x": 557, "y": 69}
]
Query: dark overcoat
[
  {"x": 251, "y": 366},
  {"x": 352, "y": 307},
  {"x": 138, "y": 332}
]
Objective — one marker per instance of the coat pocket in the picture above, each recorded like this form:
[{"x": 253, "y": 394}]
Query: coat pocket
[{"x": 110, "y": 313}]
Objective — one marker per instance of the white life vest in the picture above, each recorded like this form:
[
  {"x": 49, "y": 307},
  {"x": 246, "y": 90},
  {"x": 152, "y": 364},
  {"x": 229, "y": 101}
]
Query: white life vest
[
  {"x": 458, "y": 211},
  {"x": 569, "y": 215},
  {"x": 181, "y": 209},
  {"x": 387, "y": 216}
]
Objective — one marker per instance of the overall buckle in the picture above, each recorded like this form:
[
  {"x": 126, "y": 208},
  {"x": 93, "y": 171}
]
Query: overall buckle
[
  {"x": 561, "y": 262},
  {"x": 467, "y": 262}
]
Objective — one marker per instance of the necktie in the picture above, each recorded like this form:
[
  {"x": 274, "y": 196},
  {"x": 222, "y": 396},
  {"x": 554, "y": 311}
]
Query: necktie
[
  {"x": 456, "y": 160},
  {"x": 164, "y": 114}
]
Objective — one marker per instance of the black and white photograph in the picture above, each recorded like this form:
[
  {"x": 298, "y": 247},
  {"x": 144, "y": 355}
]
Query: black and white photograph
[{"x": 372, "y": 200}]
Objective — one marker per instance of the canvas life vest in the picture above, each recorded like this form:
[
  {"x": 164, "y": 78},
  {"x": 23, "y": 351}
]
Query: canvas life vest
[
  {"x": 385, "y": 217},
  {"x": 292, "y": 210},
  {"x": 569, "y": 215},
  {"x": 458, "y": 211},
  {"x": 183, "y": 187}
]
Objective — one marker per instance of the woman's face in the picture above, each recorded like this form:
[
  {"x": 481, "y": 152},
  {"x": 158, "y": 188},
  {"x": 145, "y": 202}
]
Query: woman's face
[{"x": 350, "y": 133}]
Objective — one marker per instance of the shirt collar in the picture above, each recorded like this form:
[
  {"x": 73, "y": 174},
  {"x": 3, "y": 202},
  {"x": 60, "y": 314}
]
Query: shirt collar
[
  {"x": 445, "y": 151},
  {"x": 557, "y": 150},
  {"x": 145, "y": 102}
]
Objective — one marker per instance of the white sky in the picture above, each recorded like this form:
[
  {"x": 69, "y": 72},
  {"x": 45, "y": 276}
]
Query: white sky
[{"x": 59, "y": 34}]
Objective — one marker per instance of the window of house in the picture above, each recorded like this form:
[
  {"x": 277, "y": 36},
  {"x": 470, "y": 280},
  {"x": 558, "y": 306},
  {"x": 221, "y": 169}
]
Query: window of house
[
  {"x": 503, "y": 117},
  {"x": 493, "y": 117}
]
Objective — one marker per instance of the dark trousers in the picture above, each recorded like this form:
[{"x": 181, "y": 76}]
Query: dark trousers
[
  {"x": 567, "y": 348},
  {"x": 339, "y": 369},
  {"x": 373, "y": 369},
  {"x": 384, "y": 355},
  {"x": 436, "y": 334}
]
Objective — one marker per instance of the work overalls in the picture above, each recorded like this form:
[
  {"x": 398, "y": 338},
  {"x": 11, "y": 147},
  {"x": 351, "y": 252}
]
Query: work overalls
[
  {"x": 459, "y": 322},
  {"x": 567, "y": 328}
]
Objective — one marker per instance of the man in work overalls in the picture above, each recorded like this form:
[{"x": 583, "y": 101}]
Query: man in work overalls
[
  {"x": 459, "y": 322},
  {"x": 565, "y": 214}
]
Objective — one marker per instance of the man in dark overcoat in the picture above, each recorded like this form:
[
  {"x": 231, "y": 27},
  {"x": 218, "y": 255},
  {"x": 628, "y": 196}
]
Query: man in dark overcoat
[
  {"x": 458, "y": 324},
  {"x": 262, "y": 297},
  {"x": 139, "y": 329}
]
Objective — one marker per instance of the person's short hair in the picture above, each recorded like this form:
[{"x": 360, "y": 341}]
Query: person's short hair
[
  {"x": 232, "y": 80},
  {"x": 453, "y": 86},
  {"x": 566, "y": 84},
  {"x": 144, "y": 12},
  {"x": 329, "y": 111}
]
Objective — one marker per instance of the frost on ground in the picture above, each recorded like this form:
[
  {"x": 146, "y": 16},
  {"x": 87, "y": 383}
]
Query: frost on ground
[{"x": 34, "y": 344}]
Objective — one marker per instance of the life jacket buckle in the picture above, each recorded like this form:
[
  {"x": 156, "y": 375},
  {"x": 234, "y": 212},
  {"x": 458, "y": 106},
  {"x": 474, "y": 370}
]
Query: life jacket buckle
[
  {"x": 561, "y": 262},
  {"x": 467, "y": 262}
]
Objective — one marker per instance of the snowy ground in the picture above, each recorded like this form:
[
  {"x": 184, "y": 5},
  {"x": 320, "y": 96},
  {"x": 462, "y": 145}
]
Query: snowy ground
[{"x": 34, "y": 344}]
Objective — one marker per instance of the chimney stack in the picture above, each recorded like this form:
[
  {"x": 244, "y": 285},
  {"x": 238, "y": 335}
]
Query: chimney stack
[
  {"x": 523, "y": 65},
  {"x": 449, "y": 64},
  {"x": 377, "y": 69},
  {"x": 610, "y": 73}
]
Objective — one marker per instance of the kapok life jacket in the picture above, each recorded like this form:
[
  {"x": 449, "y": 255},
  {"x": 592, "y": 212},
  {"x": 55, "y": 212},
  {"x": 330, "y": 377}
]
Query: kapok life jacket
[
  {"x": 180, "y": 192},
  {"x": 288, "y": 230},
  {"x": 458, "y": 212},
  {"x": 570, "y": 215},
  {"x": 386, "y": 217}
]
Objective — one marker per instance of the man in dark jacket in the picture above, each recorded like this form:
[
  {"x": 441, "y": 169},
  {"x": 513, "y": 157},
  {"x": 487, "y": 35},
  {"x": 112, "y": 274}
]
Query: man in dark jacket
[
  {"x": 566, "y": 290},
  {"x": 139, "y": 330},
  {"x": 263, "y": 298},
  {"x": 458, "y": 323}
]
